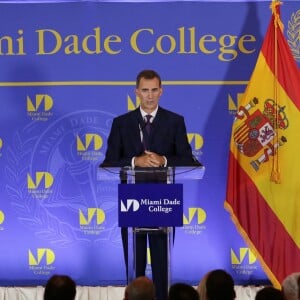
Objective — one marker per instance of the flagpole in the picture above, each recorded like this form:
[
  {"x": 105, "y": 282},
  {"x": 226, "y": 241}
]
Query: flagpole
[{"x": 275, "y": 174}]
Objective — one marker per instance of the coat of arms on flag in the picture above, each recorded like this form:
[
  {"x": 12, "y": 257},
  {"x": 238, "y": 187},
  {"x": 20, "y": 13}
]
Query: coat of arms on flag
[{"x": 255, "y": 136}]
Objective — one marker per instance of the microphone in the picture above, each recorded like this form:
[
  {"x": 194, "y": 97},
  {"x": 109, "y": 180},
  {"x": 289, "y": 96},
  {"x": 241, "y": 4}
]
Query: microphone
[{"x": 141, "y": 128}]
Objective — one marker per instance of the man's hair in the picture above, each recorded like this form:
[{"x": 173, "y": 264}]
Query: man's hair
[
  {"x": 269, "y": 293},
  {"x": 147, "y": 74},
  {"x": 141, "y": 288},
  {"x": 291, "y": 287},
  {"x": 60, "y": 287},
  {"x": 182, "y": 291},
  {"x": 220, "y": 286}
]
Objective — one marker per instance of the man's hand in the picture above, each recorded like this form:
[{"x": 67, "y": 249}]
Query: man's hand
[{"x": 149, "y": 159}]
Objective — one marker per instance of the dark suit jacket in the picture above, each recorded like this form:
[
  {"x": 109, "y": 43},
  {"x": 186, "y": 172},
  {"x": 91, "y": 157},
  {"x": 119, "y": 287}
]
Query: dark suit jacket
[{"x": 168, "y": 137}]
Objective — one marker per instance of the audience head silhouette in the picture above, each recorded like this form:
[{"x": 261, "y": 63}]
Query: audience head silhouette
[
  {"x": 220, "y": 285},
  {"x": 60, "y": 287},
  {"x": 291, "y": 287},
  {"x": 202, "y": 287},
  {"x": 182, "y": 291},
  {"x": 141, "y": 288},
  {"x": 269, "y": 293}
]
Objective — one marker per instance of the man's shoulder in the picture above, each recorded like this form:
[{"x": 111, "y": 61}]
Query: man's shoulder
[
  {"x": 127, "y": 115},
  {"x": 169, "y": 113}
]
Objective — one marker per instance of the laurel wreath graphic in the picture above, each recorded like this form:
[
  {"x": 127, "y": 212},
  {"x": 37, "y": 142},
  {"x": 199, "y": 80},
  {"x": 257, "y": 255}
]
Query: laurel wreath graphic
[
  {"x": 39, "y": 214},
  {"x": 31, "y": 213},
  {"x": 293, "y": 34}
]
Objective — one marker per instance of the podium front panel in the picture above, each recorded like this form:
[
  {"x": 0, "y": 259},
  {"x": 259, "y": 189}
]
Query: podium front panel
[{"x": 150, "y": 205}]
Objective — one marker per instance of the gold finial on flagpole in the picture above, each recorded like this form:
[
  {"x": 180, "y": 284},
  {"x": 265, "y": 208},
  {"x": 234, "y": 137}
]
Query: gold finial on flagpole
[{"x": 277, "y": 20}]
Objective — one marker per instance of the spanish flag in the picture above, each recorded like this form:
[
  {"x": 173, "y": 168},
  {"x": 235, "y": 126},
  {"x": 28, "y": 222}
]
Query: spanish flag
[{"x": 263, "y": 188}]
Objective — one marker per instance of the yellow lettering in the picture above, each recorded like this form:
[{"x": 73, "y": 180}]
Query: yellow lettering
[
  {"x": 182, "y": 44},
  {"x": 73, "y": 47},
  {"x": 144, "y": 41},
  {"x": 172, "y": 43},
  {"x": 206, "y": 39},
  {"x": 110, "y": 40},
  {"x": 246, "y": 39},
  {"x": 226, "y": 48},
  {"x": 134, "y": 44},
  {"x": 20, "y": 42},
  {"x": 57, "y": 41},
  {"x": 92, "y": 38},
  {"x": 9, "y": 46}
]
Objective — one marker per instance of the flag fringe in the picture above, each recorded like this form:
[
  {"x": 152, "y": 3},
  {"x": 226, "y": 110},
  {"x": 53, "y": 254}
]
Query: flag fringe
[{"x": 248, "y": 241}]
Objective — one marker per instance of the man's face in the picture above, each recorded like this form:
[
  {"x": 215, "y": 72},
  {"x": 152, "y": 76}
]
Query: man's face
[{"x": 149, "y": 93}]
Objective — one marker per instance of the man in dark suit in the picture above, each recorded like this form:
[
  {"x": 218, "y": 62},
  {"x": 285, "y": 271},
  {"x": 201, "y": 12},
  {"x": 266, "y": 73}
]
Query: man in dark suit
[{"x": 165, "y": 144}]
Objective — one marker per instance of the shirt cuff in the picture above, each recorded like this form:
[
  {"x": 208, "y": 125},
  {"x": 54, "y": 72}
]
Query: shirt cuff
[
  {"x": 166, "y": 161},
  {"x": 132, "y": 162}
]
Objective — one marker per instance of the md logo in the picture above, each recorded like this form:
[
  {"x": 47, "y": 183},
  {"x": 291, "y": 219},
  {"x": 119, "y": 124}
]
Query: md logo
[
  {"x": 92, "y": 214},
  {"x": 130, "y": 204},
  {"x": 244, "y": 254},
  {"x": 40, "y": 101},
  {"x": 196, "y": 140},
  {"x": 1, "y": 217},
  {"x": 194, "y": 213},
  {"x": 233, "y": 104},
  {"x": 89, "y": 140},
  {"x": 42, "y": 254},
  {"x": 44, "y": 179},
  {"x": 132, "y": 105}
]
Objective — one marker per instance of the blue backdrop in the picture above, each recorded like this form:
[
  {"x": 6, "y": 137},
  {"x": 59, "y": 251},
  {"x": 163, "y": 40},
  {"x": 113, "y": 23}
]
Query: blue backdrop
[{"x": 66, "y": 69}]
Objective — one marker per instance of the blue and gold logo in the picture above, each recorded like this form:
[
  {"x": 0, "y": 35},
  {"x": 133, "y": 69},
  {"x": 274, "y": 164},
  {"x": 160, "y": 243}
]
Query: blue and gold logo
[
  {"x": 40, "y": 185},
  {"x": 243, "y": 261},
  {"x": 132, "y": 104},
  {"x": 196, "y": 142},
  {"x": 42, "y": 255},
  {"x": 194, "y": 221},
  {"x": 39, "y": 107},
  {"x": 233, "y": 104},
  {"x": 41, "y": 261},
  {"x": 2, "y": 218},
  {"x": 91, "y": 221},
  {"x": 88, "y": 146}
]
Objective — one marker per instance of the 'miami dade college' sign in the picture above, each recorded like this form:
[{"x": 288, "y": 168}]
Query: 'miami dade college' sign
[{"x": 150, "y": 205}]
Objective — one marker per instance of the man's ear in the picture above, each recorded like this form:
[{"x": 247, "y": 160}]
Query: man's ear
[{"x": 161, "y": 91}]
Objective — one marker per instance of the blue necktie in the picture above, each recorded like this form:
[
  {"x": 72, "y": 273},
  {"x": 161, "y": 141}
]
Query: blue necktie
[
  {"x": 147, "y": 131},
  {"x": 148, "y": 124}
]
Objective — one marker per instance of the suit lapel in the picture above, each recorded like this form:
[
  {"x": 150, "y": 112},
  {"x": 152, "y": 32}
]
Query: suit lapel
[
  {"x": 157, "y": 130},
  {"x": 158, "y": 122}
]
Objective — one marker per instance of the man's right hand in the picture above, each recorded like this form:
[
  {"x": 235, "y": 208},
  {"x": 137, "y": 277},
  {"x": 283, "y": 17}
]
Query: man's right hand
[{"x": 149, "y": 159}]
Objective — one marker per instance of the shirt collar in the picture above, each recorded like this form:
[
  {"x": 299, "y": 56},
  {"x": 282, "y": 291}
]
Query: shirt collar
[{"x": 153, "y": 114}]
